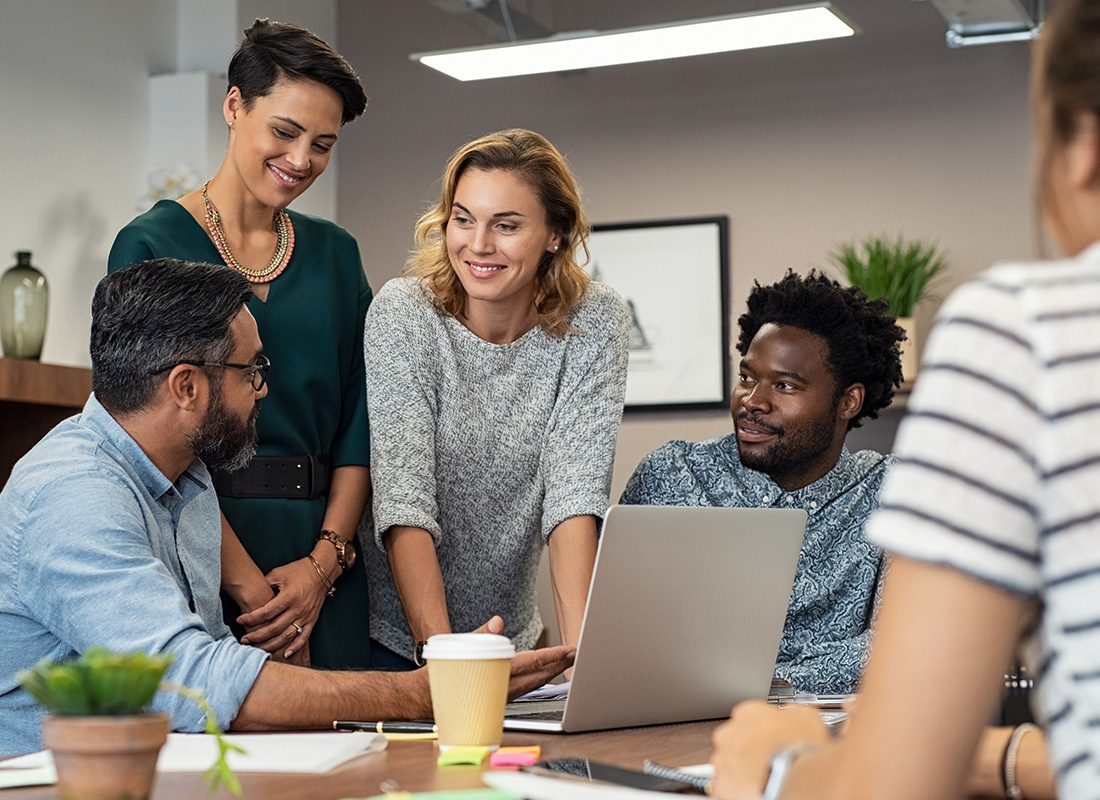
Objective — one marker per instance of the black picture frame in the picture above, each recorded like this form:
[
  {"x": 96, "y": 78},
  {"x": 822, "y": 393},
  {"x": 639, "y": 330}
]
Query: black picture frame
[{"x": 674, "y": 276}]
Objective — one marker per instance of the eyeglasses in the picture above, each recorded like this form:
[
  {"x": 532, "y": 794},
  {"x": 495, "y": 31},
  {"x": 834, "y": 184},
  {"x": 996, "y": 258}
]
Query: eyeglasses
[{"x": 257, "y": 372}]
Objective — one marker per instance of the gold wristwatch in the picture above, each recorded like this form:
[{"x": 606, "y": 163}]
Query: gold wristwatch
[{"x": 345, "y": 549}]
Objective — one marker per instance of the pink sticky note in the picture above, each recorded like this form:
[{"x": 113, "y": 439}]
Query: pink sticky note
[{"x": 514, "y": 757}]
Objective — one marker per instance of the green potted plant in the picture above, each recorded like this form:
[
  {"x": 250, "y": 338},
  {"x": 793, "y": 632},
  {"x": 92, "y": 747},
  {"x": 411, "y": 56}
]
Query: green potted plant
[
  {"x": 900, "y": 272},
  {"x": 104, "y": 741}
]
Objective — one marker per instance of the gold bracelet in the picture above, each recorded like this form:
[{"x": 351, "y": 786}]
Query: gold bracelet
[{"x": 321, "y": 574}]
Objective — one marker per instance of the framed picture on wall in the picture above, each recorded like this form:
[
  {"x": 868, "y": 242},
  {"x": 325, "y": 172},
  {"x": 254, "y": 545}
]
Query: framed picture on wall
[{"x": 674, "y": 277}]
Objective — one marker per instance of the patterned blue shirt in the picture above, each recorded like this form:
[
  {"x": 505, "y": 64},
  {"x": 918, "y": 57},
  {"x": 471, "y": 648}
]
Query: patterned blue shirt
[
  {"x": 98, "y": 547},
  {"x": 824, "y": 645}
]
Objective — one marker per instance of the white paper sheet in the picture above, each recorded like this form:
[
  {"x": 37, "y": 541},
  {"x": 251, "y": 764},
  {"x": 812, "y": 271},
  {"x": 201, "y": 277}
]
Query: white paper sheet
[
  {"x": 40, "y": 774},
  {"x": 550, "y": 691},
  {"x": 31, "y": 761},
  {"x": 698, "y": 770},
  {"x": 269, "y": 752},
  {"x": 265, "y": 752},
  {"x": 538, "y": 787}
]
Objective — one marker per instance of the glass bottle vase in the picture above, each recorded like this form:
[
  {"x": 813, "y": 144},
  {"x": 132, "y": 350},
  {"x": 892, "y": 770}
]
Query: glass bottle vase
[{"x": 24, "y": 297}]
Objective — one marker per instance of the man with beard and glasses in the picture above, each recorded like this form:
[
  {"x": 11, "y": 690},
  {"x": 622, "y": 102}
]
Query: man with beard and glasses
[
  {"x": 110, "y": 532},
  {"x": 817, "y": 358}
]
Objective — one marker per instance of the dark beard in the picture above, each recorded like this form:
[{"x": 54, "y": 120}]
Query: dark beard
[
  {"x": 223, "y": 442},
  {"x": 790, "y": 451}
]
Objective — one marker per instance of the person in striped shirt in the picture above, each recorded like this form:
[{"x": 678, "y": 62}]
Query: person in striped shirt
[{"x": 991, "y": 514}]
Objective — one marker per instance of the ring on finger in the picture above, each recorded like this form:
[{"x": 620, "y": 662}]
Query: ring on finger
[{"x": 297, "y": 629}]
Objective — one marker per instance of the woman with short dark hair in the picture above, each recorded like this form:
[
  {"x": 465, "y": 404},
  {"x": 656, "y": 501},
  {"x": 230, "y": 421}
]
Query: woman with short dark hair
[{"x": 295, "y": 508}]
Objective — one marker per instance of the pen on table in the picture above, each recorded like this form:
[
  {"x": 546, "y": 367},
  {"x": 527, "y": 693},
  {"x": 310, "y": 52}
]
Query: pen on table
[{"x": 384, "y": 727}]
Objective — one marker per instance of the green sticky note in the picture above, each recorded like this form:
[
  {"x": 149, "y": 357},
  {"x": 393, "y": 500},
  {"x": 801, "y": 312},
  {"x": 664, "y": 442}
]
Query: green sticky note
[
  {"x": 470, "y": 756},
  {"x": 455, "y": 794}
]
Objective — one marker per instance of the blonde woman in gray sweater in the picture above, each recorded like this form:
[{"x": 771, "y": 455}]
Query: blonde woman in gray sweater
[{"x": 495, "y": 380}]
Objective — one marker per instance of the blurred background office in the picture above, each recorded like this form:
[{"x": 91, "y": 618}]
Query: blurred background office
[{"x": 802, "y": 146}]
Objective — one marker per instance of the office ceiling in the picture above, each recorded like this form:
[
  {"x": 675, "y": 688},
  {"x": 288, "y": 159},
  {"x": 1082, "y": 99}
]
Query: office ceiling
[
  {"x": 888, "y": 19},
  {"x": 899, "y": 42}
]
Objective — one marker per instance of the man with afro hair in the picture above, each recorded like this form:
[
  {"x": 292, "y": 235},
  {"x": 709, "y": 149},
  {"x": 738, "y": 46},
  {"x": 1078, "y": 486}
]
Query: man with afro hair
[{"x": 817, "y": 359}]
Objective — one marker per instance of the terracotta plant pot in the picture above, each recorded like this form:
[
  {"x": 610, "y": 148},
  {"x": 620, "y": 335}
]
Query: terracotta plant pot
[{"x": 105, "y": 758}]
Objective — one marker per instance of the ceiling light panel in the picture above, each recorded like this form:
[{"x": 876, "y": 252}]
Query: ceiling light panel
[{"x": 630, "y": 46}]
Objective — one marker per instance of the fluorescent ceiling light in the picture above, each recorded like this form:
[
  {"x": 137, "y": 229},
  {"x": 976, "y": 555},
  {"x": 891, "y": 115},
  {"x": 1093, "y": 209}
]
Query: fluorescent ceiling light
[{"x": 632, "y": 45}]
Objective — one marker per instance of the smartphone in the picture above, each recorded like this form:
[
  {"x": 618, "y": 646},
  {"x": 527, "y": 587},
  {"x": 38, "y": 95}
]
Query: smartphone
[{"x": 595, "y": 772}]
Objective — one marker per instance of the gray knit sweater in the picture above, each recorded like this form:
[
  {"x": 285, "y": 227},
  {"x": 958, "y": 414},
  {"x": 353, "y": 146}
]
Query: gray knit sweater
[{"x": 488, "y": 447}]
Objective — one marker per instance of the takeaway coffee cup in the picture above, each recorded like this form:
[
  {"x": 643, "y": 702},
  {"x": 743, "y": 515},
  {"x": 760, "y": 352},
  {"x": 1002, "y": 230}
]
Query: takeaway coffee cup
[{"x": 468, "y": 674}]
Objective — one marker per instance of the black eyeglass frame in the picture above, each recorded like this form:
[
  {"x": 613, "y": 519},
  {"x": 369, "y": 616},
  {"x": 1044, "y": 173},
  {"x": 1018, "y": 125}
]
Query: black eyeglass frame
[{"x": 259, "y": 369}]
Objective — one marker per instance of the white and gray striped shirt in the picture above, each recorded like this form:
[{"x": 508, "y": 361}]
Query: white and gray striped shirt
[{"x": 998, "y": 475}]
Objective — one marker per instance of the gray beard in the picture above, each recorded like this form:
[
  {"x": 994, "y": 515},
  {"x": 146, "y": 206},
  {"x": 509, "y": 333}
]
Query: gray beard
[{"x": 223, "y": 442}]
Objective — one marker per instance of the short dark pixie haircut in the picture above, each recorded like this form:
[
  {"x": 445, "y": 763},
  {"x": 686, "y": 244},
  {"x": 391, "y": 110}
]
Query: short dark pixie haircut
[
  {"x": 272, "y": 50},
  {"x": 155, "y": 314},
  {"x": 863, "y": 341}
]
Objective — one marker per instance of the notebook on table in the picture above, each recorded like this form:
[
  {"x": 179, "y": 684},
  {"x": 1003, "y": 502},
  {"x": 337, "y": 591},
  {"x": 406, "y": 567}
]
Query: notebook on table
[{"x": 684, "y": 617}]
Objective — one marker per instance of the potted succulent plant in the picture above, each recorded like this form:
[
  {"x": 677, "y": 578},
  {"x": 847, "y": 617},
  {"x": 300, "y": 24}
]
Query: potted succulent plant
[
  {"x": 104, "y": 741},
  {"x": 900, "y": 272}
]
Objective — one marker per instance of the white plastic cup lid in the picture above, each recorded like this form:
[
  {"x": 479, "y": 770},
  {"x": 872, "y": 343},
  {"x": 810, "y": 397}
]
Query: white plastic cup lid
[{"x": 468, "y": 646}]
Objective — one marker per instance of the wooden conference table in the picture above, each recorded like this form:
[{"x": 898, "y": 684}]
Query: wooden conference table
[{"x": 411, "y": 766}]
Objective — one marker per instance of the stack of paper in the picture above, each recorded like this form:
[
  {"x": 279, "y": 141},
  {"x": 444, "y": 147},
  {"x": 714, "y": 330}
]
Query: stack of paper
[
  {"x": 264, "y": 752},
  {"x": 28, "y": 774},
  {"x": 269, "y": 752}
]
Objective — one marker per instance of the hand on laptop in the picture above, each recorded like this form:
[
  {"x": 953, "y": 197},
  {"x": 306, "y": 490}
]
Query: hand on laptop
[{"x": 534, "y": 668}]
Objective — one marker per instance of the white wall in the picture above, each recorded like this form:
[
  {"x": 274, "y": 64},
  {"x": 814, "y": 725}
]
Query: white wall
[
  {"x": 801, "y": 146},
  {"x": 73, "y": 87}
]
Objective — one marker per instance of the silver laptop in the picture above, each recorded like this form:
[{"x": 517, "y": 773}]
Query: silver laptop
[{"x": 684, "y": 617}]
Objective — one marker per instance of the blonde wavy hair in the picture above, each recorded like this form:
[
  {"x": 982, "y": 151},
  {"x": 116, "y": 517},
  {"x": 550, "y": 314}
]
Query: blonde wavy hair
[{"x": 560, "y": 283}]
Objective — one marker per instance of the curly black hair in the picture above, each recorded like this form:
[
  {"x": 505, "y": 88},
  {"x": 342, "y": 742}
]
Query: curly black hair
[{"x": 863, "y": 341}]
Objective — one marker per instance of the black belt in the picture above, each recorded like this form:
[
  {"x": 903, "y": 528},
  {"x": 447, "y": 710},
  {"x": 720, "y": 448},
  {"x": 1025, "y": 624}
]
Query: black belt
[{"x": 295, "y": 477}]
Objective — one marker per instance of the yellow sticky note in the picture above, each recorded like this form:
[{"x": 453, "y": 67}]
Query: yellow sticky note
[{"x": 455, "y": 756}]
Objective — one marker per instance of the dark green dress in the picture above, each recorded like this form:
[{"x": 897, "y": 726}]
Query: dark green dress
[{"x": 312, "y": 330}]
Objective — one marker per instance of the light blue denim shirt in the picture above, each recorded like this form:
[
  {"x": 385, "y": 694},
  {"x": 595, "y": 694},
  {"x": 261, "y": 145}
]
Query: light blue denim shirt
[
  {"x": 824, "y": 645},
  {"x": 98, "y": 547}
]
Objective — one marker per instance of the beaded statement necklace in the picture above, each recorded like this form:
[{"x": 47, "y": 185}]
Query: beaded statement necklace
[{"x": 284, "y": 245}]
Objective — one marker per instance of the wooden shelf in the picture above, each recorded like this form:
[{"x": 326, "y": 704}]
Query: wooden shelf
[
  {"x": 44, "y": 384},
  {"x": 33, "y": 398}
]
